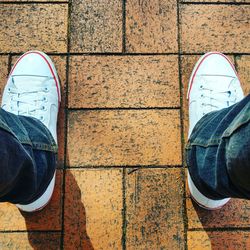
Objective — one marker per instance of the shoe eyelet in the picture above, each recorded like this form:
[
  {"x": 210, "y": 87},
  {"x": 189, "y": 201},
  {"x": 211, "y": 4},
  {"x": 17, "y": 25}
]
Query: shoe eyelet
[
  {"x": 46, "y": 89},
  {"x": 41, "y": 118},
  {"x": 44, "y": 108}
]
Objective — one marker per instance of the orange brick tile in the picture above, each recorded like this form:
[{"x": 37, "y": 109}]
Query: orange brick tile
[
  {"x": 60, "y": 64},
  {"x": 222, "y": 28},
  {"x": 47, "y": 219},
  {"x": 243, "y": 68},
  {"x": 3, "y": 73},
  {"x": 24, "y": 30},
  {"x": 7, "y": 1},
  {"x": 93, "y": 209},
  {"x": 96, "y": 26},
  {"x": 234, "y": 214},
  {"x": 151, "y": 26},
  {"x": 124, "y": 137},
  {"x": 123, "y": 81},
  {"x": 187, "y": 65},
  {"x": 30, "y": 241},
  {"x": 217, "y": 1},
  {"x": 218, "y": 240},
  {"x": 154, "y": 209}
]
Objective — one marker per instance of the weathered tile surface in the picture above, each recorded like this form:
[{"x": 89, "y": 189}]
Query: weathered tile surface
[
  {"x": 11, "y": 219},
  {"x": 219, "y": 27},
  {"x": 124, "y": 137},
  {"x": 243, "y": 68},
  {"x": 216, "y": 1},
  {"x": 129, "y": 116},
  {"x": 234, "y": 214},
  {"x": 25, "y": 30},
  {"x": 154, "y": 209},
  {"x": 218, "y": 240},
  {"x": 123, "y": 81},
  {"x": 96, "y": 26},
  {"x": 93, "y": 209},
  {"x": 30, "y": 241},
  {"x": 151, "y": 26}
]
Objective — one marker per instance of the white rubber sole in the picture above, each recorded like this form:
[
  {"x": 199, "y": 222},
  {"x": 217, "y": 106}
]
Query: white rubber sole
[
  {"x": 202, "y": 200},
  {"x": 41, "y": 202}
]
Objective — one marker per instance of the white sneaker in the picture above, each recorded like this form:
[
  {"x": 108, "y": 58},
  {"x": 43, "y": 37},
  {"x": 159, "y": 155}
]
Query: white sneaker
[
  {"x": 213, "y": 85},
  {"x": 33, "y": 90}
]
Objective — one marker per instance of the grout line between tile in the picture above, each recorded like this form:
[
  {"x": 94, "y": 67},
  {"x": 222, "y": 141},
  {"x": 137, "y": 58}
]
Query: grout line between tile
[
  {"x": 124, "y": 26},
  {"x": 220, "y": 229},
  {"x": 184, "y": 210},
  {"x": 65, "y": 125},
  {"x": 122, "y": 108},
  {"x": 104, "y": 167},
  {"x": 32, "y": 2},
  {"x": 9, "y": 63},
  {"x": 214, "y": 3},
  {"x": 124, "y": 210},
  {"x": 29, "y": 231},
  {"x": 126, "y": 54}
]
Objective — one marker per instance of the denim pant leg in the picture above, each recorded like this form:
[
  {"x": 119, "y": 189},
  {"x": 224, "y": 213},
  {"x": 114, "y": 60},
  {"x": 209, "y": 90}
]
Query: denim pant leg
[
  {"x": 218, "y": 152},
  {"x": 27, "y": 158}
]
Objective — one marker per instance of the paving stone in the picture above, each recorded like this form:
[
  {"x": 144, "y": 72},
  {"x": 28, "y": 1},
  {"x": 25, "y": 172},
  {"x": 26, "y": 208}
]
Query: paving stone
[
  {"x": 218, "y": 240},
  {"x": 216, "y": 1},
  {"x": 154, "y": 209},
  {"x": 234, "y": 214},
  {"x": 22, "y": 28},
  {"x": 30, "y": 241},
  {"x": 151, "y": 26},
  {"x": 217, "y": 28},
  {"x": 96, "y": 26},
  {"x": 243, "y": 68},
  {"x": 38, "y": 1},
  {"x": 3, "y": 73},
  {"x": 124, "y": 137},
  {"x": 123, "y": 81},
  {"x": 11, "y": 219},
  {"x": 93, "y": 209},
  {"x": 60, "y": 64}
]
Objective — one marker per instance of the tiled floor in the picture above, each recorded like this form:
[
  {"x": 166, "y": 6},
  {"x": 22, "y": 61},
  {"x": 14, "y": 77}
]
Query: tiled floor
[{"x": 124, "y": 68}]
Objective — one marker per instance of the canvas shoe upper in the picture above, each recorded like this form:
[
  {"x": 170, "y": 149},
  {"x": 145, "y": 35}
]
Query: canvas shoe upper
[
  {"x": 213, "y": 85},
  {"x": 33, "y": 89}
]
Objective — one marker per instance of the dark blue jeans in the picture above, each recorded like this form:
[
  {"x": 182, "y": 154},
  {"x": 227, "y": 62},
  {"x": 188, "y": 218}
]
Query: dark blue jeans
[
  {"x": 27, "y": 158},
  {"x": 218, "y": 152}
]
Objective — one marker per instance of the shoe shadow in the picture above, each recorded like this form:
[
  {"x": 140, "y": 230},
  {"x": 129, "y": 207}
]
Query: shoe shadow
[
  {"x": 45, "y": 227},
  {"x": 209, "y": 228}
]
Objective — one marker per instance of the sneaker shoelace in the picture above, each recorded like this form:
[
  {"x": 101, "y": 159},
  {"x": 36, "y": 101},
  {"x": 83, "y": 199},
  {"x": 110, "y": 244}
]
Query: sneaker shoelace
[
  {"x": 213, "y": 100},
  {"x": 28, "y": 102}
]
